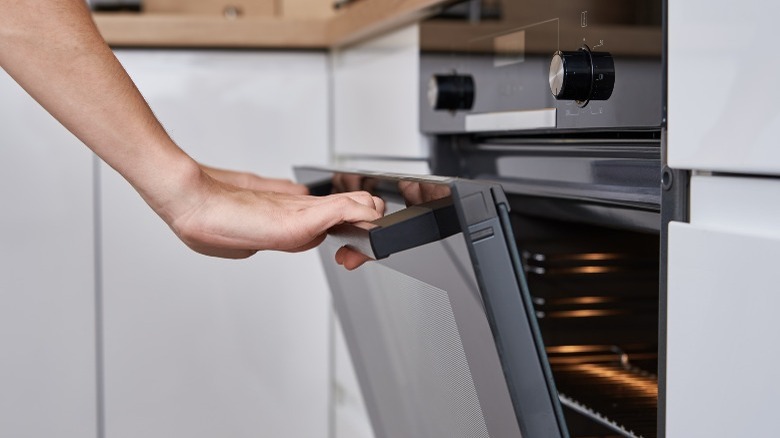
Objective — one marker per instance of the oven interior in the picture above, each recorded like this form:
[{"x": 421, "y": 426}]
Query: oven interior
[{"x": 595, "y": 293}]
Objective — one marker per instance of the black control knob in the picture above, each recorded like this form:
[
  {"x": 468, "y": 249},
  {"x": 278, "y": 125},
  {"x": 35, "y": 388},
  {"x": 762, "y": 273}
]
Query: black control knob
[
  {"x": 451, "y": 92},
  {"x": 582, "y": 75}
]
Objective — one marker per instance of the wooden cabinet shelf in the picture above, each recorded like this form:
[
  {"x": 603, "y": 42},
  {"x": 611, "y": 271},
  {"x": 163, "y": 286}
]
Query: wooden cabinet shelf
[
  {"x": 354, "y": 23},
  {"x": 170, "y": 30}
]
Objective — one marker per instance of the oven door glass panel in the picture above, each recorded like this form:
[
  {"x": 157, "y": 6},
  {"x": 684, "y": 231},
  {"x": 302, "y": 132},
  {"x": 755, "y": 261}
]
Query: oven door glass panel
[
  {"x": 442, "y": 348},
  {"x": 422, "y": 348}
]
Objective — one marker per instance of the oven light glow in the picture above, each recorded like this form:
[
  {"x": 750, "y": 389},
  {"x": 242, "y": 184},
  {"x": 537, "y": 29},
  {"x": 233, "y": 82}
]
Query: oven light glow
[
  {"x": 584, "y": 300},
  {"x": 647, "y": 386},
  {"x": 582, "y": 313}
]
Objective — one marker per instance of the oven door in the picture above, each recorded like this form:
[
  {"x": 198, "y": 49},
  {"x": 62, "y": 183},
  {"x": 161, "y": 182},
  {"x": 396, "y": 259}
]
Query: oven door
[{"x": 441, "y": 328}]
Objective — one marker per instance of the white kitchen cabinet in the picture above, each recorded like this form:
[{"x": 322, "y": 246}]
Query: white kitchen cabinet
[
  {"x": 723, "y": 112},
  {"x": 376, "y": 98},
  {"x": 47, "y": 293},
  {"x": 722, "y": 333},
  {"x": 722, "y": 302},
  {"x": 202, "y": 347},
  {"x": 723, "y": 278},
  {"x": 350, "y": 417}
]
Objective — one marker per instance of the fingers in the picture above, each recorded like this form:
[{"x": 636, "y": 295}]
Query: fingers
[
  {"x": 363, "y": 198},
  {"x": 317, "y": 219},
  {"x": 360, "y": 206},
  {"x": 235, "y": 223},
  {"x": 411, "y": 192},
  {"x": 307, "y": 226},
  {"x": 350, "y": 258}
]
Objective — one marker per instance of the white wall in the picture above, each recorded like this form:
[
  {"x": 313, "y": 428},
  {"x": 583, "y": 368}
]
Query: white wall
[
  {"x": 47, "y": 324},
  {"x": 201, "y": 347}
]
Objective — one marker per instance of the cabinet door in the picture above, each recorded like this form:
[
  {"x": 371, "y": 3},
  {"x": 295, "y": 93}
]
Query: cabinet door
[
  {"x": 722, "y": 333},
  {"x": 722, "y": 311},
  {"x": 200, "y": 347},
  {"x": 723, "y": 111},
  {"x": 47, "y": 313}
]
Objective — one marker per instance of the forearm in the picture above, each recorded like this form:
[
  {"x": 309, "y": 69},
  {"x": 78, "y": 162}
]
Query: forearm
[{"x": 53, "y": 49}]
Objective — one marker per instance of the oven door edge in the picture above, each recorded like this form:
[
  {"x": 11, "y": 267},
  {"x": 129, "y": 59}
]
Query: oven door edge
[{"x": 505, "y": 293}]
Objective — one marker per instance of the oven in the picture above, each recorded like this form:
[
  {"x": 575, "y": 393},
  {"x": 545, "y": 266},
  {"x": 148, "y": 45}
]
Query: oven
[{"x": 520, "y": 291}]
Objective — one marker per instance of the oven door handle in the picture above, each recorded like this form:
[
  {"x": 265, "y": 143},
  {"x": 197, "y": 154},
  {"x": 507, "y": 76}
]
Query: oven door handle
[{"x": 399, "y": 231}]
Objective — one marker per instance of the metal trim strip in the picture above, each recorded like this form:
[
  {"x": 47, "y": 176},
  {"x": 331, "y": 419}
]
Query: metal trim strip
[{"x": 511, "y": 120}]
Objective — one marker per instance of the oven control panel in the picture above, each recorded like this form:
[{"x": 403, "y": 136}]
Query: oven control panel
[{"x": 542, "y": 65}]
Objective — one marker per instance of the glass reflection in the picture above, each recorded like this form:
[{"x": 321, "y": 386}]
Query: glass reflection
[{"x": 409, "y": 192}]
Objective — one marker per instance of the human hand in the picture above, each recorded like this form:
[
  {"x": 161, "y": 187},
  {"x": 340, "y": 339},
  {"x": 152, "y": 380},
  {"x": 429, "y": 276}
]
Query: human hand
[
  {"x": 223, "y": 220},
  {"x": 350, "y": 258},
  {"x": 76, "y": 77},
  {"x": 246, "y": 180},
  {"x": 344, "y": 182},
  {"x": 413, "y": 192}
]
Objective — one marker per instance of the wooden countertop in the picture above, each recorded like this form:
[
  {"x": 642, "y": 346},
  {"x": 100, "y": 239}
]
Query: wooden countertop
[{"x": 355, "y": 22}]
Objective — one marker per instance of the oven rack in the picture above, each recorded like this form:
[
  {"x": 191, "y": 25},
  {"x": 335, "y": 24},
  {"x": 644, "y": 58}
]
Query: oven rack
[
  {"x": 596, "y": 416},
  {"x": 633, "y": 389}
]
